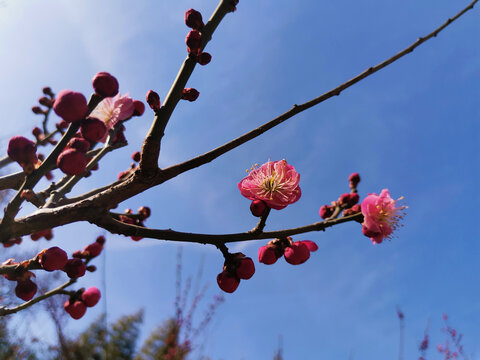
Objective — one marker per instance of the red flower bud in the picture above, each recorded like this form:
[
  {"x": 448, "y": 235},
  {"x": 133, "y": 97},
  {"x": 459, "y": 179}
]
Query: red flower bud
[
  {"x": 348, "y": 200},
  {"x": 138, "y": 108},
  {"x": 190, "y": 94},
  {"x": 45, "y": 101},
  {"x": 353, "y": 210},
  {"x": 62, "y": 124},
  {"x": 105, "y": 84},
  {"x": 145, "y": 212},
  {"x": 72, "y": 162},
  {"x": 227, "y": 283},
  {"x": 71, "y": 106},
  {"x": 267, "y": 255},
  {"x": 354, "y": 179},
  {"x": 153, "y": 100},
  {"x": 76, "y": 309},
  {"x": 93, "y": 249},
  {"x": 297, "y": 253},
  {"x": 258, "y": 208},
  {"x": 311, "y": 246},
  {"x": 193, "y": 41},
  {"x": 93, "y": 129},
  {"x": 91, "y": 268},
  {"x": 204, "y": 58},
  {"x": 75, "y": 268},
  {"x": 53, "y": 259},
  {"x": 22, "y": 150},
  {"x": 36, "y": 131},
  {"x": 101, "y": 240},
  {"x": 326, "y": 211},
  {"x": 78, "y": 254},
  {"x": 245, "y": 268},
  {"x": 38, "y": 110},
  {"x": 193, "y": 19},
  {"x": 91, "y": 296},
  {"x": 80, "y": 144},
  {"x": 26, "y": 289},
  {"x": 136, "y": 156},
  {"x": 47, "y": 91}
]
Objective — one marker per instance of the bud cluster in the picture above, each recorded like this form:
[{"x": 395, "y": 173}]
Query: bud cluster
[
  {"x": 347, "y": 202},
  {"x": 128, "y": 217},
  {"x": 52, "y": 259},
  {"x": 236, "y": 267},
  {"x": 295, "y": 252},
  {"x": 76, "y": 305},
  {"x": 46, "y": 100}
]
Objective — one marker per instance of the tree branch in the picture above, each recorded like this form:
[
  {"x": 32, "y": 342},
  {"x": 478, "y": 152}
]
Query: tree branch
[
  {"x": 151, "y": 145},
  {"x": 117, "y": 227},
  {"x": 7, "y": 311},
  {"x": 296, "y": 109}
]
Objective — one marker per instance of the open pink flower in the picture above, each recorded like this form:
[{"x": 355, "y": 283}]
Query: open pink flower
[
  {"x": 275, "y": 182},
  {"x": 112, "y": 110},
  {"x": 381, "y": 216}
]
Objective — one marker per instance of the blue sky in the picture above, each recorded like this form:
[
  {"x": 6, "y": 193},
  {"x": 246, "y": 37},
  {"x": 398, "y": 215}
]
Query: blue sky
[{"x": 412, "y": 128}]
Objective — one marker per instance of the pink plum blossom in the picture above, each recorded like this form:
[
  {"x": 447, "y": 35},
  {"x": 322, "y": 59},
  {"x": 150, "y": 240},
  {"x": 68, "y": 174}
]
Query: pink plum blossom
[
  {"x": 275, "y": 182},
  {"x": 112, "y": 110},
  {"x": 381, "y": 215}
]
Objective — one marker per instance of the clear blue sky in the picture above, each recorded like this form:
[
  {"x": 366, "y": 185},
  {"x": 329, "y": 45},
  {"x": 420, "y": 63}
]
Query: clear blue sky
[{"x": 412, "y": 128}]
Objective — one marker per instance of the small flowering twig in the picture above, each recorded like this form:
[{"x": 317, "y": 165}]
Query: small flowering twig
[
  {"x": 151, "y": 145},
  {"x": 296, "y": 109},
  {"x": 14, "y": 206},
  {"x": 117, "y": 227},
  {"x": 59, "y": 290}
]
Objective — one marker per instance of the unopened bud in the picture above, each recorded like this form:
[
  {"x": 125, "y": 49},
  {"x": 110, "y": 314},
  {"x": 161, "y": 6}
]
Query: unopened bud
[
  {"x": 204, "y": 58},
  {"x": 38, "y": 110},
  {"x": 193, "y": 41},
  {"x": 193, "y": 19},
  {"x": 47, "y": 91},
  {"x": 70, "y": 105},
  {"x": 326, "y": 211},
  {"x": 354, "y": 179},
  {"x": 258, "y": 208},
  {"x": 138, "y": 108},
  {"x": 45, "y": 101},
  {"x": 105, "y": 84},
  {"x": 153, "y": 100},
  {"x": 190, "y": 94},
  {"x": 136, "y": 156}
]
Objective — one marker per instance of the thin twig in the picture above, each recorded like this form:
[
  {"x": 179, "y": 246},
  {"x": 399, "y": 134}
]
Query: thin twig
[
  {"x": 151, "y": 145},
  {"x": 58, "y": 290},
  {"x": 296, "y": 109},
  {"x": 118, "y": 227}
]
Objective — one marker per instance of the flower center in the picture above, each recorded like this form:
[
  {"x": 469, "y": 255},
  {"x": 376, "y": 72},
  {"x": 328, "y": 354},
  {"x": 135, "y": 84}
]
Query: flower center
[{"x": 270, "y": 185}]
